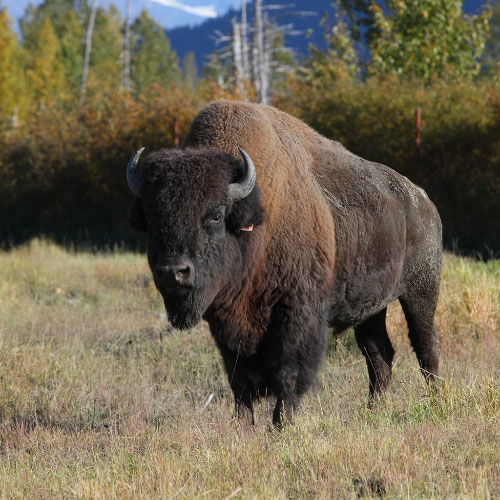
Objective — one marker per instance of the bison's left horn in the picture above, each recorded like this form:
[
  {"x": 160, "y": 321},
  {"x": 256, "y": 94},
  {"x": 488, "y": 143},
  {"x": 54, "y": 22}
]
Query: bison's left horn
[
  {"x": 133, "y": 177},
  {"x": 242, "y": 188}
]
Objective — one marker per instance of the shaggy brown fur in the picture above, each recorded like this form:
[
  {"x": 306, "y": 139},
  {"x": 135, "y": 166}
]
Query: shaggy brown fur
[{"x": 342, "y": 238}]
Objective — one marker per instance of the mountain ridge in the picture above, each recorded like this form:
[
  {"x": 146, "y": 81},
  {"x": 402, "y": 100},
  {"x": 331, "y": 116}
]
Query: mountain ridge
[{"x": 200, "y": 39}]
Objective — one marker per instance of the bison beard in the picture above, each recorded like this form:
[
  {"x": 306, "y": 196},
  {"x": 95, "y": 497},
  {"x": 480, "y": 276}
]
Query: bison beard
[
  {"x": 184, "y": 313},
  {"x": 334, "y": 240}
]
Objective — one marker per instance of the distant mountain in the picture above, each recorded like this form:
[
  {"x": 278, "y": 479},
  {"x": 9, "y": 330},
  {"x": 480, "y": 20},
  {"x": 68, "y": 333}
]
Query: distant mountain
[
  {"x": 305, "y": 16},
  {"x": 201, "y": 39},
  {"x": 168, "y": 17}
]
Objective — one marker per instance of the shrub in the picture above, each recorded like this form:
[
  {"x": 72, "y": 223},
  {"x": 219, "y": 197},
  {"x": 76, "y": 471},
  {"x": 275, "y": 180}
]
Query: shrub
[
  {"x": 459, "y": 161},
  {"x": 63, "y": 173}
]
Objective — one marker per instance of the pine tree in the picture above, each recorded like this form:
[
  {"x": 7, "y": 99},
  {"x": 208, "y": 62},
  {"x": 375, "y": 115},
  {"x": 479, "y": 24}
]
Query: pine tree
[
  {"x": 45, "y": 72},
  {"x": 67, "y": 27},
  {"x": 152, "y": 59},
  {"x": 105, "y": 73},
  {"x": 72, "y": 49},
  {"x": 339, "y": 60}
]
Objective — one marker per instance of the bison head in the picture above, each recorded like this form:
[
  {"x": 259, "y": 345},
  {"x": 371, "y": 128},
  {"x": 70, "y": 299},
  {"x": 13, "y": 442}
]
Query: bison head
[{"x": 194, "y": 204}]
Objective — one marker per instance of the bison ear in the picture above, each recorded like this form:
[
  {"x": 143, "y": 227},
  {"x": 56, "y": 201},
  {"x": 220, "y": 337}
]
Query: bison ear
[
  {"x": 136, "y": 216},
  {"x": 246, "y": 212}
]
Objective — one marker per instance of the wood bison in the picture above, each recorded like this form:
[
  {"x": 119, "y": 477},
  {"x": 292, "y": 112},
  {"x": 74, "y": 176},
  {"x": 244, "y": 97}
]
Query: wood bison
[{"x": 272, "y": 249}]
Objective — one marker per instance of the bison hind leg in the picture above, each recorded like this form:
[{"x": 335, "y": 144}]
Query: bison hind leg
[
  {"x": 374, "y": 342},
  {"x": 419, "y": 313}
]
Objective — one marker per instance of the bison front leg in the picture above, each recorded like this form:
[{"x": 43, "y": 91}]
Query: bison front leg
[
  {"x": 287, "y": 399},
  {"x": 243, "y": 407},
  {"x": 242, "y": 377},
  {"x": 299, "y": 344},
  {"x": 243, "y": 391},
  {"x": 284, "y": 410}
]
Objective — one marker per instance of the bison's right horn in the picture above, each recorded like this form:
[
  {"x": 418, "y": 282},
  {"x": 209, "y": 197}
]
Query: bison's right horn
[
  {"x": 133, "y": 178},
  {"x": 242, "y": 188}
]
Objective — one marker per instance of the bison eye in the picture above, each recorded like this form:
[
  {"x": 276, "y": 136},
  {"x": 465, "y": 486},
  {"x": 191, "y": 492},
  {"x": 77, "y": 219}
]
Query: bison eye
[{"x": 213, "y": 220}]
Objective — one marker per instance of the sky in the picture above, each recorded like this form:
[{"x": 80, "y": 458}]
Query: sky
[
  {"x": 161, "y": 10},
  {"x": 168, "y": 16}
]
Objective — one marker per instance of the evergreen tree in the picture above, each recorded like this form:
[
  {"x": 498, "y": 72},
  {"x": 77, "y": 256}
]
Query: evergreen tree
[
  {"x": 152, "y": 59},
  {"x": 427, "y": 39},
  {"x": 339, "y": 60},
  {"x": 72, "y": 49},
  {"x": 106, "y": 67},
  {"x": 45, "y": 72},
  {"x": 67, "y": 27}
]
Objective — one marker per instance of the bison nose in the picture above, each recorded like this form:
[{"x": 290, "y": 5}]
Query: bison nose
[{"x": 175, "y": 274}]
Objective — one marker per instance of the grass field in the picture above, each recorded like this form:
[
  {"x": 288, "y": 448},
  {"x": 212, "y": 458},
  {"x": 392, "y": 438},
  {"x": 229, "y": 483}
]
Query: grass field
[{"x": 100, "y": 399}]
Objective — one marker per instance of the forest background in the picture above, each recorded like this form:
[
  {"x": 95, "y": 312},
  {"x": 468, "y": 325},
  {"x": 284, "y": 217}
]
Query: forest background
[{"x": 66, "y": 140}]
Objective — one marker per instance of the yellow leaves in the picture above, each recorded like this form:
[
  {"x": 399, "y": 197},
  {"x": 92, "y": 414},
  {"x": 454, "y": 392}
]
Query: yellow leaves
[
  {"x": 7, "y": 37},
  {"x": 10, "y": 74},
  {"x": 45, "y": 72}
]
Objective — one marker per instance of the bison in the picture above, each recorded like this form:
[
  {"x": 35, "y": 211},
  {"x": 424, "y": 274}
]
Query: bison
[{"x": 272, "y": 234}]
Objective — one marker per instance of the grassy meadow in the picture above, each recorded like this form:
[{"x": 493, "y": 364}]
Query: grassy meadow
[{"x": 99, "y": 398}]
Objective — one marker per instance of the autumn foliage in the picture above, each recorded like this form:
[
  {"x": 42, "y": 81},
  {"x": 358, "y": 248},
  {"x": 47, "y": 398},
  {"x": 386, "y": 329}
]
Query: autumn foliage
[
  {"x": 63, "y": 173},
  {"x": 63, "y": 158},
  {"x": 458, "y": 162}
]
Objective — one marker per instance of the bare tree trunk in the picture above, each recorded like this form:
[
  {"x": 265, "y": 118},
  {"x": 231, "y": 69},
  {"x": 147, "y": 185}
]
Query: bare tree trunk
[
  {"x": 88, "y": 48},
  {"x": 15, "y": 117},
  {"x": 126, "y": 49},
  {"x": 261, "y": 68},
  {"x": 244, "y": 42},
  {"x": 258, "y": 47},
  {"x": 237, "y": 56},
  {"x": 267, "y": 51},
  {"x": 255, "y": 65}
]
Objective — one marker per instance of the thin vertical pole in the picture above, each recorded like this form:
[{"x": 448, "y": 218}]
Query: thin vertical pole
[
  {"x": 418, "y": 132},
  {"x": 175, "y": 128}
]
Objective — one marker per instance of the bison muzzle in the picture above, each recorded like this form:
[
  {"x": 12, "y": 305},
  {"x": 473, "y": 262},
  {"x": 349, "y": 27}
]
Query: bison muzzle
[{"x": 273, "y": 234}]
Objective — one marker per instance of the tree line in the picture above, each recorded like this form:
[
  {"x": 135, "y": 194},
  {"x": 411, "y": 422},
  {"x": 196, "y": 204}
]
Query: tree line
[
  {"x": 44, "y": 66},
  {"x": 62, "y": 165},
  {"x": 421, "y": 39}
]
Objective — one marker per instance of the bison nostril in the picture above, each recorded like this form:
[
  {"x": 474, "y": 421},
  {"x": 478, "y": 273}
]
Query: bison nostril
[
  {"x": 182, "y": 274},
  {"x": 175, "y": 274}
]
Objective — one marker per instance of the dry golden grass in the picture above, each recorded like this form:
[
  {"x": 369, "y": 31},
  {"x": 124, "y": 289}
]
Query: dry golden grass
[{"x": 98, "y": 399}]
